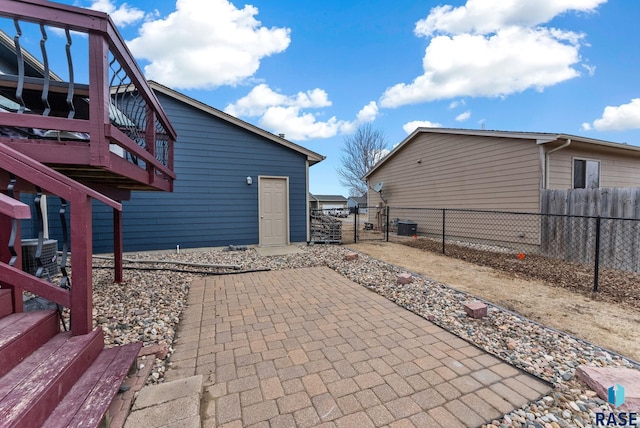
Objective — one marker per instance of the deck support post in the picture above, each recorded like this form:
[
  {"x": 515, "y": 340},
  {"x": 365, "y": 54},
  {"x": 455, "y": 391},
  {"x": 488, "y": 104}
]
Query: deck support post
[
  {"x": 81, "y": 260},
  {"x": 100, "y": 99}
]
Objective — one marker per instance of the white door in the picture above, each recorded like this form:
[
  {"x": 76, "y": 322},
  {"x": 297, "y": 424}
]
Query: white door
[{"x": 274, "y": 213}]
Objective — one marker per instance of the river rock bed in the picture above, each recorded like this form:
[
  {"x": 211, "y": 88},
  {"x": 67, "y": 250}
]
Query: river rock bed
[{"x": 146, "y": 307}]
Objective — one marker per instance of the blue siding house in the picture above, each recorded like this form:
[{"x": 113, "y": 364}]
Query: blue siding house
[{"x": 237, "y": 185}]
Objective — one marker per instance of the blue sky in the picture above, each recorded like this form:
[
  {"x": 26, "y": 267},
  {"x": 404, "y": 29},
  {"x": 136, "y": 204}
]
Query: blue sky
[{"x": 315, "y": 70}]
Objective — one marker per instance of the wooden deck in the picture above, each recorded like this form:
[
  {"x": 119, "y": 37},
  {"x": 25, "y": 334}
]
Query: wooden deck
[
  {"x": 99, "y": 140},
  {"x": 111, "y": 132}
]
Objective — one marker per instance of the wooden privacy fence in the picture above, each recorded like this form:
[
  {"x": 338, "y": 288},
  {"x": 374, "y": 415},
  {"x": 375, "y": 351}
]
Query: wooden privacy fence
[
  {"x": 615, "y": 202},
  {"x": 581, "y": 223}
]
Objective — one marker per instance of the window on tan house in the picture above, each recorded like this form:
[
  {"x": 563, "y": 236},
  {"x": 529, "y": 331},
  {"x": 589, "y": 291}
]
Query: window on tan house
[{"x": 586, "y": 174}]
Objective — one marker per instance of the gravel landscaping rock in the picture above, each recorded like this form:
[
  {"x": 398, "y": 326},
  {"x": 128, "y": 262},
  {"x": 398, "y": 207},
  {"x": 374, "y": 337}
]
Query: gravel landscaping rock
[{"x": 147, "y": 308}]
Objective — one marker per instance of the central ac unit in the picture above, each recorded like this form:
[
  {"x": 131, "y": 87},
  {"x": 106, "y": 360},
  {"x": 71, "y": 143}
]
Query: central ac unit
[{"x": 48, "y": 257}]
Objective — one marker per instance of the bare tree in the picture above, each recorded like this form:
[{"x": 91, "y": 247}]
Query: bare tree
[{"x": 361, "y": 151}]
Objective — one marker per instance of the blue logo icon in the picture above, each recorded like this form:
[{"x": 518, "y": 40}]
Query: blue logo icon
[{"x": 616, "y": 395}]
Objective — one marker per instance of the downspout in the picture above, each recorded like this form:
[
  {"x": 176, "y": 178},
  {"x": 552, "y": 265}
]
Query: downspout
[
  {"x": 308, "y": 202},
  {"x": 45, "y": 217},
  {"x": 546, "y": 161}
]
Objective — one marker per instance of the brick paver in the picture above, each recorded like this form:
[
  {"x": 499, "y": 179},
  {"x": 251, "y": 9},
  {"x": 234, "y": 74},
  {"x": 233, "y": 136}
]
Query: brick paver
[{"x": 308, "y": 347}]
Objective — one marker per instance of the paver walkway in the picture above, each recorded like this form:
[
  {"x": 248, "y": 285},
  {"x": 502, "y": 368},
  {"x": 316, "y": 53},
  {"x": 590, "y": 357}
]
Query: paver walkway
[{"x": 308, "y": 347}]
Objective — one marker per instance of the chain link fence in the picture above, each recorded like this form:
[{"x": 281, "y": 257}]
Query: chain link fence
[
  {"x": 344, "y": 226},
  {"x": 485, "y": 230},
  {"x": 582, "y": 252},
  {"x": 370, "y": 223}
]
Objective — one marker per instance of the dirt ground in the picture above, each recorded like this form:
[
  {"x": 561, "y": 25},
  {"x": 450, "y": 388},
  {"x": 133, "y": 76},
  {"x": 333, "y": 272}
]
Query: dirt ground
[{"x": 602, "y": 321}]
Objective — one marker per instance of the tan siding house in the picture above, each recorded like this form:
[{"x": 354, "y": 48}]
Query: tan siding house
[
  {"x": 495, "y": 170},
  {"x": 617, "y": 169}
]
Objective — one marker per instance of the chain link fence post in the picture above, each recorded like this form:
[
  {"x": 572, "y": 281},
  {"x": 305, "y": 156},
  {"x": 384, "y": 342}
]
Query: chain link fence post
[
  {"x": 386, "y": 229},
  {"x": 443, "y": 229},
  {"x": 596, "y": 267},
  {"x": 355, "y": 224}
]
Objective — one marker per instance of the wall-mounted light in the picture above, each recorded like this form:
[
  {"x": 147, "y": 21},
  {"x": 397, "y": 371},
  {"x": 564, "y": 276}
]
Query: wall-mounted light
[{"x": 249, "y": 181}]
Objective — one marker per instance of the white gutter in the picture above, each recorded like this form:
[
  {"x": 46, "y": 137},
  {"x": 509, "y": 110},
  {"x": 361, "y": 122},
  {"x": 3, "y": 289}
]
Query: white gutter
[{"x": 546, "y": 161}]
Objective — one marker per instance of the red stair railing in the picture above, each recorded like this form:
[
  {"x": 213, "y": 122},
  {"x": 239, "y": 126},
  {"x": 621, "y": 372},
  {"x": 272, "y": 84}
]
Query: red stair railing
[{"x": 21, "y": 172}]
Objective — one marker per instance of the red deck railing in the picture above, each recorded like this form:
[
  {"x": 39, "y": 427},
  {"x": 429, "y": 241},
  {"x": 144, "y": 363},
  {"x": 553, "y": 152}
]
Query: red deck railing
[
  {"x": 114, "y": 124},
  {"x": 98, "y": 132}
]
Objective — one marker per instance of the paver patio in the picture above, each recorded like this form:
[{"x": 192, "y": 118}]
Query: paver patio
[{"x": 308, "y": 347}]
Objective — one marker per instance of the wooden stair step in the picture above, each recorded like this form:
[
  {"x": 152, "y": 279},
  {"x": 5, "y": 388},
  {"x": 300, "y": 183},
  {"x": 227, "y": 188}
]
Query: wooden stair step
[
  {"x": 6, "y": 305},
  {"x": 31, "y": 363},
  {"x": 22, "y": 333},
  {"x": 88, "y": 401},
  {"x": 30, "y": 392}
]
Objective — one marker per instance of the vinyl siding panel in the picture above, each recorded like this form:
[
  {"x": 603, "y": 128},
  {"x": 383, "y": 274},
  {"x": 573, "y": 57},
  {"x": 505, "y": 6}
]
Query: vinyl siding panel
[
  {"x": 457, "y": 171},
  {"x": 211, "y": 205},
  {"x": 618, "y": 168}
]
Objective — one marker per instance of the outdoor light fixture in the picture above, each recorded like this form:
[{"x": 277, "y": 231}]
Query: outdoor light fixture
[{"x": 249, "y": 181}]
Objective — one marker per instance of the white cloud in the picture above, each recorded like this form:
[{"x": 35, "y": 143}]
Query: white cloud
[
  {"x": 409, "y": 127},
  {"x": 511, "y": 61},
  {"x": 620, "y": 118},
  {"x": 591, "y": 69},
  {"x": 463, "y": 116},
  {"x": 262, "y": 97},
  {"x": 206, "y": 43},
  {"x": 297, "y": 125},
  {"x": 492, "y": 48},
  {"x": 369, "y": 113},
  {"x": 455, "y": 104},
  {"x": 284, "y": 114},
  {"x": 487, "y": 16},
  {"x": 121, "y": 16}
]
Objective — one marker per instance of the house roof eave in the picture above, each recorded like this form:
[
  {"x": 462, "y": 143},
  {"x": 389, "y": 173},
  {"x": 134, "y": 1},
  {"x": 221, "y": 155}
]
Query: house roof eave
[
  {"x": 312, "y": 157},
  {"x": 540, "y": 138},
  {"x": 594, "y": 141},
  {"x": 329, "y": 198},
  {"x": 392, "y": 152}
]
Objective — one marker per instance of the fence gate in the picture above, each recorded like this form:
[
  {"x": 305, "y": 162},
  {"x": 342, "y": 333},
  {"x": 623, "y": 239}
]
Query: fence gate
[
  {"x": 326, "y": 227},
  {"x": 371, "y": 223}
]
